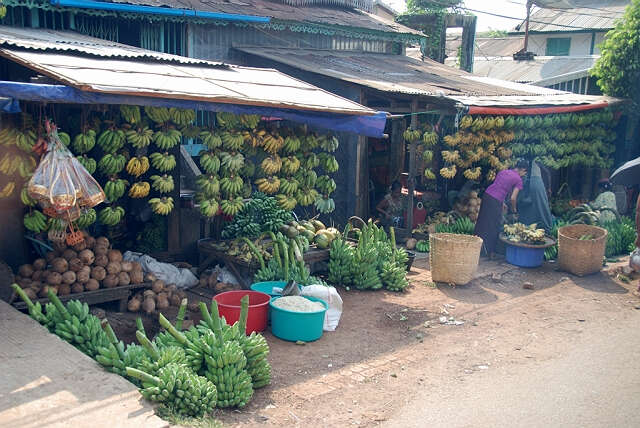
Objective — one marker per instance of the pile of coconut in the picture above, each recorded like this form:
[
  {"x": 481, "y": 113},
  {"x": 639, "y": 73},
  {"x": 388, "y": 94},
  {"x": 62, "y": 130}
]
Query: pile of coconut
[
  {"x": 160, "y": 296},
  {"x": 469, "y": 206},
  {"x": 87, "y": 266}
]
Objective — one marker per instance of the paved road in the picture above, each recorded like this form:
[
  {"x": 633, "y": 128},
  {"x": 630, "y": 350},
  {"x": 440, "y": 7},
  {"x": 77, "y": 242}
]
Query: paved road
[{"x": 596, "y": 383}]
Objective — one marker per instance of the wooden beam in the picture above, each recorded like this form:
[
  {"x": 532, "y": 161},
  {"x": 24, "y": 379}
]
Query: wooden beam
[{"x": 468, "y": 43}]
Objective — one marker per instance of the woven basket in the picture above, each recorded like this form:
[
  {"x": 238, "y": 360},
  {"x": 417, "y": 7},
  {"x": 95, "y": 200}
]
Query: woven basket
[
  {"x": 581, "y": 257},
  {"x": 454, "y": 258}
]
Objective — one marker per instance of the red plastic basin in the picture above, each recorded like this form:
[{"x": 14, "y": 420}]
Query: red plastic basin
[{"x": 229, "y": 308}]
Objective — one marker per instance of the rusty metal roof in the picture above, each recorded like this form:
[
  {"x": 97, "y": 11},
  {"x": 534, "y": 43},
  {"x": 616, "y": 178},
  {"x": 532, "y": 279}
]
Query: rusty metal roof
[
  {"x": 400, "y": 74},
  {"x": 487, "y": 46},
  {"x": 71, "y": 42},
  {"x": 150, "y": 76},
  {"x": 592, "y": 15},
  {"x": 278, "y": 10}
]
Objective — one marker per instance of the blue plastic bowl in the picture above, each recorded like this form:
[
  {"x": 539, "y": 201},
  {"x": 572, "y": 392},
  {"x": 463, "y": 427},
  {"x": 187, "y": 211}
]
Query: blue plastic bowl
[
  {"x": 524, "y": 257},
  {"x": 267, "y": 287},
  {"x": 295, "y": 326}
]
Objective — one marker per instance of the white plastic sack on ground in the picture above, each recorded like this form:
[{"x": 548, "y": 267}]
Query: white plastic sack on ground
[
  {"x": 182, "y": 278},
  {"x": 333, "y": 299}
]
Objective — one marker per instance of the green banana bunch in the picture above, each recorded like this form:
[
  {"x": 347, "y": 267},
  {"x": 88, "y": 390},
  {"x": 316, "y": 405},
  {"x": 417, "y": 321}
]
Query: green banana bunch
[
  {"x": 163, "y": 162},
  {"x": 306, "y": 178},
  {"x": 88, "y": 163},
  {"x": 211, "y": 139},
  {"x": 248, "y": 170},
  {"x": 328, "y": 163},
  {"x": 232, "y": 206},
  {"x": 291, "y": 145},
  {"x": 325, "y": 205},
  {"x": 289, "y": 186},
  {"x": 115, "y": 188},
  {"x": 209, "y": 207},
  {"x": 64, "y": 138},
  {"x": 140, "y": 137},
  {"x": 232, "y": 185},
  {"x": 110, "y": 216},
  {"x": 232, "y": 140},
  {"x": 161, "y": 206},
  {"x": 25, "y": 140},
  {"x": 87, "y": 218},
  {"x": 329, "y": 143},
  {"x": 341, "y": 259},
  {"x": 209, "y": 162},
  {"x": 35, "y": 221},
  {"x": 290, "y": 165},
  {"x": 209, "y": 185},
  {"x": 306, "y": 196},
  {"x": 83, "y": 143},
  {"x": 182, "y": 116},
  {"x": 162, "y": 184},
  {"x": 111, "y": 164},
  {"x": 190, "y": 341},
  {"x": 111, "y": 140},
  {"x": 26, "y": 199},
  {"x": 232, "y": 162},
  {"x": 158, "y": 114},
  {"x": 168, "y": 139},
  {"x": 325, "y": 185},
  {"x": 130, "y": 113}
]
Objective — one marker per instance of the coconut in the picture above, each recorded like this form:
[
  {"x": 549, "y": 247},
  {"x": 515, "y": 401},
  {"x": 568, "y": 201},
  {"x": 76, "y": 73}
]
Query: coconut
[
  {"x": 50, "y": 256},
  {"x": 136, "y": 277},
  {"x": 113, "y": 268},
  {"x": 23, "y": 282},
  {"x": 87, "y": 256},
  {"x": 37, "y": 275},
  {"x": 174, "y": 300},
  {"x": 171, "y": 288},
  {"x": 90, "y": 241},
  {"x": 64, "y": 290},
  {"x": 149, "y": 293},
  {"x": 193, "y": 306},
  {"x": 102, "y": 242},
  {"x": 162, "y": 302},
  {"x": 149, "y": 277},
  {"x": 26, "y": 271},
  {"x": 411, "y": 243},
  {"x": 157, "y": 286},
  {"x": 92, "y": 285},
  {"x": 82, "y": 245},
  {"x": 83, "y": 275},
  {"x": 101, "y": 260},
  {"x": 126, "y": 266},
  {"x": 123, "y": 279},
  {"x": 54, "y": 278},
  {"x": 98, "y": 273},
  {"x": 136, "y": 267},
  {"x": 149, "y": 305},
  {"x": 75, "y": 264},
  {"x": 134, "y": 304},
  {"x": 60, "y": 265},
  {"x": 31, "y": 293},
  {"x": 69, "y": 254},
  {"x": 76, "y": 287},
  {"x": 99, "y": 250},
  {"x": 114, "y": 256},
  {"x": 39, "y": 264},
  {"x": 110, "y": 281},
  {"x": 69, "y": 277}
]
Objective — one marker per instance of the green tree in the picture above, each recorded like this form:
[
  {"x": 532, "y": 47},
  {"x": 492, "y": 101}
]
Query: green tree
[{"x": 618, "y": 69}]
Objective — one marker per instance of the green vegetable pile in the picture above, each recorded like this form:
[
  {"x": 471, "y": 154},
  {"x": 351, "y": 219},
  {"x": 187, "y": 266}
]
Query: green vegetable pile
[
  {"x": 462, "y": 226},
  {"x": 374, "y": 263},
  {"x": 551, "y": 253},
  {"x": 189, "y": 372},
  {"x": 261, "y": 214},
  {"x": 621, "y": 237},
  {"x": 423, "y": 246}
]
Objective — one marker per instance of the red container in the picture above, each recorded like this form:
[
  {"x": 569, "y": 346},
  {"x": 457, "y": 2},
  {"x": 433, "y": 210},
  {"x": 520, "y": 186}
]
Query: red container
[{"x": 229, "y": 308}]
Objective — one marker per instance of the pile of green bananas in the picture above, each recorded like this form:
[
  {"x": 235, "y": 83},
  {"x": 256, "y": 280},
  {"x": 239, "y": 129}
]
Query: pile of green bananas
[
  {"x": 462, "y": 226},
  {"x": 340, "y": 260}
]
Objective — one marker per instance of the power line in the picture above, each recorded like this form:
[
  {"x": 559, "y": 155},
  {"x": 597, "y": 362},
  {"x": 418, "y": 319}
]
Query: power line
[{"x": 572, "y": 11}]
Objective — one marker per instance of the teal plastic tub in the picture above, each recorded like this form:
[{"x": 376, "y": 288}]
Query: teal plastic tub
[
  {"x": 295, "y": 326},
  {"x": 268, "y": 286}
]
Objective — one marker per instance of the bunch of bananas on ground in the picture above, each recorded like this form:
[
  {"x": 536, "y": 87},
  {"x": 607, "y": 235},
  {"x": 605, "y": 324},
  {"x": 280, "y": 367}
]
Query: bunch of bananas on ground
[
  {"x": 306, "y": 196},
  {"x": 231, "y": 162},
  {"x": 231, "y": 185},
  {"x": 287, "y": 202},
  {"x": 209, "y": 185},
  {"x": 209, "y": 162},
  {"x": 111, "y": 140},
  {"x": 7, "y": 189},
  {"x": 158, "y": 114},
  {"x": 137, "y": 165},
  {"x": 449, "y": 172},
  {"x": 25, "y": 198},
  {"x": 130, "y": 113},
  {"x": 232, "y": 206},
  {"x": 290, "y": 165},
  {"x": 115, "y": 188},
  {"x": 111, "y": 164},
  {"x": 209, "y": 207},
  {"x": 211, "y": 139},
  {"x": 268, "y": 185},
  {"x": 272, "y": 143},
  {"x": 340, "y": 260},
  {"x": 232, "y": 141},
  {"x": 162, "y": 184},
  {"x": 291, "y": 144},
  {"x": 86, "y": 219},
  {"x": 325, "y": 185},
  {"x": 83, "y": 143},
  {"x": 139, "y": 137},
  {"x": 393, "y": 271},
  {"x": 325, "y": 204},
  {"x": 162, "y": 206},
  {"x": 163, "y": 162},
  {"x": 139, "y": 190},
  {"x": 473, "y": 174},
  {"x": 167, "y": 139},
  {"x": 88, "y": 163},
  {"x": 181, "y": 116},
  {"x": 429, "y": 174},
  {"x": 289, "y": 186},
  {"x": 271, "y": 164},
  {"x": 328, "y": 163},
  {"x": 110, "y": 216}
]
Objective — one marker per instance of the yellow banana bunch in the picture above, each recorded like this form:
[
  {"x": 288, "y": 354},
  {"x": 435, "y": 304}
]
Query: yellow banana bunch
[
  {"x": 411, "y": 135},
  {"x": 450, "y": 156},
  {"x": 306, "y": 196},
  {"x": 269, "y": 185},
  {"x": 273, "y": 143},
  {"x": 138, "y": 165},
  {"x": 8, "y": 164},
  {"x": 430, "y": 138},
  {"x": 449, "y": 172},
  {"x": 287, "y": 202},
  {"x": 8, "y": 189},
  {"x": 290, "y": 165},
  {"x": 491, "y": 175},
  {"x": 7, "y": 136},
  {"x": 429, "y": 174},
  {"x": 139, "y": 190},
  {"x": 271, "y": 165},
  {"x": 232, "y": 206},
  {"x": 161, "y": 206},
  {"x": 209, "y": 207},
  {"x": 466, "y": 122},
  {"x": 473, "y": 174}
]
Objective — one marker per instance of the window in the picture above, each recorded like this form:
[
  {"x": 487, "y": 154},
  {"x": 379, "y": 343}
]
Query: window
[{"x": 558, "y": 46}]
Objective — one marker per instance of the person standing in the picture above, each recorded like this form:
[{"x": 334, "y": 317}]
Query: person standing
[
  {"x": 393, "y": 206},
  {"x": 490, "y": 216}
]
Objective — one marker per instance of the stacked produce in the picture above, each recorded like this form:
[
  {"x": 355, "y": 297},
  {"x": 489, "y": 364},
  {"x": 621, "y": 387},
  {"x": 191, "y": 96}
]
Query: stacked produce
[
  {"x": 261, "y": 214},
  {"x": 189, "y": 372},
  {"x": 17, "y": 162},
  {"x": 521, "y": 233},
  {"x": 469, "y": 206},
  {"x": 585, "y": 214},
  {"x": 375, "y": 262},
  {"x": 281, "y": 163},
  {"x": 461, "y": 226},
  {"x": 86, "y": 266},
  {"x": 160, "y": 296}
]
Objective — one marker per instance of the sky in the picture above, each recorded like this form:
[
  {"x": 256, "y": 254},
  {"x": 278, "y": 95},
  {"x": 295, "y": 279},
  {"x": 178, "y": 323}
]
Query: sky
[{"x": 512, "y": 8}]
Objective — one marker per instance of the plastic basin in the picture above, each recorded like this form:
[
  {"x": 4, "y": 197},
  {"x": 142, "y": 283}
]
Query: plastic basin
[
  {"x": 524, "y": 257},
  {"x": 295, "y": 326},
  {"x": 268, "y": 286},
  {"x": 229, "y": 307}
]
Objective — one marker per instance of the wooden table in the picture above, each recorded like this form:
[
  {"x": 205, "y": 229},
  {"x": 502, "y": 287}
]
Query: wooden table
[{"x": 102, "y": 295}]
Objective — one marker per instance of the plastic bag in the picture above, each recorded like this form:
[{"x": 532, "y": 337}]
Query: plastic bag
[
  {"x": 332, "y": 298},
  {"x": 634, "y": 260},
  {"x": 182, "y": 278}
]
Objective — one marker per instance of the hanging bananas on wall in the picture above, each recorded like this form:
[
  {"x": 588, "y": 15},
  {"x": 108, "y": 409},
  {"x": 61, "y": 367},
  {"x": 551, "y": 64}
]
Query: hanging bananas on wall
[
  {"x": 83, "y": 143},
  {"x": 35, "y": 221},
  {"x": 209, "y": 162},
  {"x": 110, "y": 216},
  {"x": 167, "y": 139},
  {"x": 111, "y": 164},
  {"x": 139, "y": 137},
  {"x": 209, "y": 184},
  {"x": 139, "y": 190},
  {"x": 111, "y": 140},
  {"x": 138, "y": 165},
  {"x": 232, "y": 206},
  {"x": 161, "y": 206},
  {"x": 211, "y": 139},
  {"x": 115, "y": 188},
  {"x": 231, "y": 185},
  {"x": 162, "y": 184},
  {"x": 268, "y": 185},
  {"x": 158, "y": 114},
  {"x": 271, "y": 164},
  {"x": 131, "y": 114},
  {"x": 231, "y": 162},
  {"x": 181, "y": 116},
  {"x": 163, "y": 162}
]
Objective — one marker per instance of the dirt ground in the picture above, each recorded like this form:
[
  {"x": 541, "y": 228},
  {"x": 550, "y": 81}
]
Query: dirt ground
[{"x": 389, "y": 346}]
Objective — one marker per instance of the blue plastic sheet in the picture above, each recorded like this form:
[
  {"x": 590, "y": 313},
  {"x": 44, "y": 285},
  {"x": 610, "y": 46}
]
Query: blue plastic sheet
[{"x": 370, "y": 126}]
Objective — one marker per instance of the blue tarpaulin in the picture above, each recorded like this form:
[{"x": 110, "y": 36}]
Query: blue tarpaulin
[{"x": 367, "y": 125}]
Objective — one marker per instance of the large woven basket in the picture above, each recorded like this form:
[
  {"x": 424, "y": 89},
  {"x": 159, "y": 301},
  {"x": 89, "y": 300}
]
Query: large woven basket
[
  {"x": 454, "y": 258},
  {"x": 581, "y": 257}
]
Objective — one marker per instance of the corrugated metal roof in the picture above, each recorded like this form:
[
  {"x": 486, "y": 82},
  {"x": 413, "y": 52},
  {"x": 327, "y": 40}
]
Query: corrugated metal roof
[
  {"x": 487, "y": 46},
  {"x": 274, "y": 9},
  {"x": 74, "y": 42},
  {"x": 596, "y": 15},
  {"x": 403, "y": 75},
  {"x": 173, "y": 80},
  {"x": 540, "y": 68}
]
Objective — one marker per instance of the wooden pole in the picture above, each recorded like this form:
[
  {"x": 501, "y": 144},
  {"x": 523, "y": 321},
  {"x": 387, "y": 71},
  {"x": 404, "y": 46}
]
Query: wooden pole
[
  {"x": 526, "y": 28},
  {"x": 412, "y": 166}
]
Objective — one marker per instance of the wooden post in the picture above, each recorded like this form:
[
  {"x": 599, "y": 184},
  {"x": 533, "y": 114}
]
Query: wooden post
[
  {"x": 412, "y": 166},
  {"x": 468, "y": 42}
]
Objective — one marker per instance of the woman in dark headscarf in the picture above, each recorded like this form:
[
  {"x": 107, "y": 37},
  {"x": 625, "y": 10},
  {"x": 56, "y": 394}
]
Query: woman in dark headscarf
[{"x": 533, "y": 201}]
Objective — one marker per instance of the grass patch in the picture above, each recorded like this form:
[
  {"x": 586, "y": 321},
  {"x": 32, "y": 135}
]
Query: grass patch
[{"x": 175, "y": 419}]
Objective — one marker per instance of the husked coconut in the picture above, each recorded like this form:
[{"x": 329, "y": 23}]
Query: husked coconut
[
  {"x": 26, "y": 271},
  {"x": 37, "y": 275},
  {"x": 64, "y": 290},
  {"x": 90, "y": 241},
  {"x": 92, "y": 285},
  {"x": 162, "y": 302},
  {"x": 136, "y": 267},
  {"x": 100, "y": 250},
  {"x": 87, "y": 256},
  {"x": 149, "y": 305},
  {"x": 101, "y": 260},
  {"x": 54, "y": 278},
  {"x": 98, "y": 273},
  {"x": 134, "y": 304},
  {"x": 126, "y": 266},
  {"x": 102, "y": 242},
  {"x": 76, "y": 287},
  {"x": 114, "y": 256},
  {"x": 110, "y": 281},
  {"x": 149, "y": 277},
  {"x": 136, "y": 277},
  {"x": 69, "y": 277},
  {"x": 83, "y": 275},
  {"x": 39, "y": 264},
  {"x": 69, "y": 254},
  {"x": 75, "y": 264},
  {"x": 113, "y": 268},
  {"x": 123, "y": 279},
  {"x": 82, "y": 245},
  {"x": 60, "y": 265},
  {"x": 157, "y": 286}
]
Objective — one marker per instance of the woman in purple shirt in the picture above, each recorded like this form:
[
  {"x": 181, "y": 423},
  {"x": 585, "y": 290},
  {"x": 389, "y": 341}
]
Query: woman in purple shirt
[{"x": 490, "y": 216}]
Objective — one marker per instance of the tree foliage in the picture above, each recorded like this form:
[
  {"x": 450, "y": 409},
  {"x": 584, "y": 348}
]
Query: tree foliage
[
  {"x": 618, "y": 69},
  {"x": 422, "y": 6}
]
